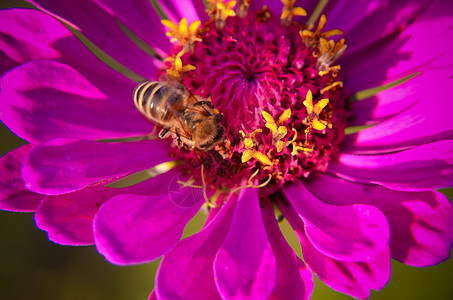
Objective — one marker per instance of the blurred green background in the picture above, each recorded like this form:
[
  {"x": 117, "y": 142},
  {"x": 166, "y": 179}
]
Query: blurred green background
[{"x": 31, "y": 267}]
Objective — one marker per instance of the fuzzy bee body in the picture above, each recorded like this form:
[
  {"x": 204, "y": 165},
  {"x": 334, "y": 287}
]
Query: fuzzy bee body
[{"x": 190, "y": 121}]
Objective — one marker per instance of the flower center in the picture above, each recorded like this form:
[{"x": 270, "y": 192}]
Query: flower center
[{"x": 274, "y": 83}]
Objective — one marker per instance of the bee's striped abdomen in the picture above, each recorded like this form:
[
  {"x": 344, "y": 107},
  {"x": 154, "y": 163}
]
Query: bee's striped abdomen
[{"x": 159, "y": 102}]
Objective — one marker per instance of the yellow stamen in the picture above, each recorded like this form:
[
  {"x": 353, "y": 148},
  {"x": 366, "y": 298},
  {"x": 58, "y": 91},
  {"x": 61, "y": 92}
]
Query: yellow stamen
[
  {"x": 189, "y": 183},
  {"x": 296, "y": 150},
  {"x": 250, "y": 184},
  {"x": 320, "y": 105},
  {"x": 262, "y": 158},
  {"x": 246, "y": 155},
  {"x": 284, "y": 116},
  {"x": 331, "y": 86},
  {"x": 289, "y": 11},
  {"x": 308, "y": 103},
  {"x": 248, "y": 143},
  {"x": 280, "y": 146},
  {"x": 270, "y": 122},
  {"x": 221, "y": 11},
  {"x": 183, "y": 33},
  {"x": 177, "y": 68},
  {"x": 318, "y": 125},
  {"x": 205, "y": 196}
]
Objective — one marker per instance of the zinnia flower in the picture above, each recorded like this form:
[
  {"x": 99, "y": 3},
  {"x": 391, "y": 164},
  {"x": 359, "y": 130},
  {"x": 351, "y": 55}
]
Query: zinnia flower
[{"x": 346, "y": 143}]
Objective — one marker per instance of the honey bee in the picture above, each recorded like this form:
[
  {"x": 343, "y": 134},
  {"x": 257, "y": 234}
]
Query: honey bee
[{"x": 186, "y": 118}]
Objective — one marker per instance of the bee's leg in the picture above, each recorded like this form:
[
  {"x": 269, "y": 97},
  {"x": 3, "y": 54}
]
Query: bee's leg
[
  {"x": 178, "y": 140},
  {"x": 219, "y": 117},
  {"x": 204, "y": 102},
  {"x": 163, "y": 133}
]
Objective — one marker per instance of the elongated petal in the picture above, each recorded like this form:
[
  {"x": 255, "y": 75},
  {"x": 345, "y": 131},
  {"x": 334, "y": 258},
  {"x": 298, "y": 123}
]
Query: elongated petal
[
  {"x": 68, "y": 218},
  {"x": 28, "y": 34},
  {"x": 13, "y": 195},
  {"x": 385, "y": 18},
  {"x": 428, "y": 120},
  {"x": 193, "y": 257},
  {"x": 347, "y": 233},
  {"x": 191, "y": 10},
  {"x": 353, "y": 278},
  {"x": 245, "y": 266},
  {"x": 294, "y": 280},
  {"x": 421, "y": 168},
  {"x": 43, "y": 100},
  {"x": 421, "y": 223},
  {"x": 87, "y": 15},
  {"x": 62, "y": 166},
  {"x": 141, "y": 18},
  {"x": 411, "y": 48},
  {"x": 132, "y": 229}
]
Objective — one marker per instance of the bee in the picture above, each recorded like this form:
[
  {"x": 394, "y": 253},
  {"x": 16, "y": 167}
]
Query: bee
[{"x": 189, "y": 120}]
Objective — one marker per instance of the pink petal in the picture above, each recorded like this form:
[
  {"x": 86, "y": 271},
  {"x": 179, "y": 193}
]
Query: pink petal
[
  {"x": 28, "y": 34},
  {"x": 132, "y": 229},
  {"x": 421, "y": 223},
  {"x": 62, "y": 166},
  {"x": 414, "y": 50},
  {"x": 193, "y": 257},
  {"x": 384, "y": 19},
  {"x": 421, "y": 168},
  {"x": 245, "y": 266},
  {"x": 13, "y": 195},
  {"x": 353, "y": 278},
  {"x": 43, "y": 100},
  {"x": 139, "y": 16},
  {"x": 424, "y": 122},
  {"x": 294, "y": 280},
  {"x": 102, "y": 29},
  {"x": 347, "y": 233},
  {"x": 68, "y": 218}
]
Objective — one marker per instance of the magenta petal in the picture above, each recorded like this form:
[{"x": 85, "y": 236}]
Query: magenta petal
[
  {"x": 68, "y": 218},
  {"x": 193, "y": 257},
  {"x": 353, "y": 278},
  {"x": 245, "y": 266},
  {"x": 421, "y": 223},
  {"x": 13, "y": 195},
  {"x": 132, "y": 229},
  {"x": 62, "y": 166},
  {"x": 385, "y": 18},
  {"x": 141, "y": 18},
  {"x": 421, "y": 168},
  {"x": 102, "y": 29},
  {"x": 28, "y": 34},
  {"x": 191, "y": 10},
  {"x": 423, "y": 122},
  {"x": 294, "y": 280},
  {"x": 348, "y": 233},
  {"x": 411, "y": 50},
  {"x": 43, "y": 100}
]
